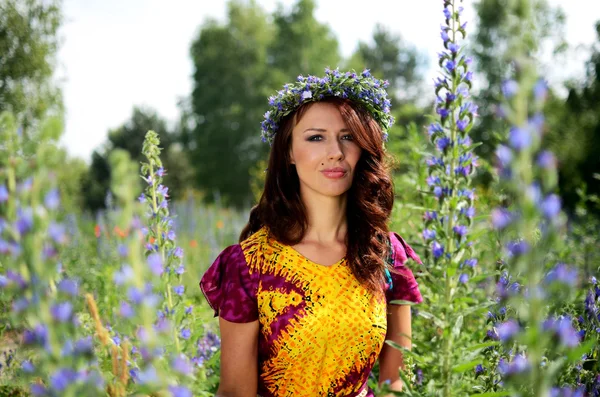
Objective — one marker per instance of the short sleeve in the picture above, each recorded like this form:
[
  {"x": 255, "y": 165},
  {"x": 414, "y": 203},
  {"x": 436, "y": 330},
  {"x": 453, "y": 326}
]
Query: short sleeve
[
  {"x": 404, "y": 284},
  {"x": 229, "y": 287}
]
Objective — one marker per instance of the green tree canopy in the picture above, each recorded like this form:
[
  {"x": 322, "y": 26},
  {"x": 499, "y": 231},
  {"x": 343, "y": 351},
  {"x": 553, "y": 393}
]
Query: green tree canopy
[
  {"x": 28, "y": 46},
  {"x": 238, "y": 64},
  {"x": 490, "y": 51},
  {"x": 130, "y": 137}
]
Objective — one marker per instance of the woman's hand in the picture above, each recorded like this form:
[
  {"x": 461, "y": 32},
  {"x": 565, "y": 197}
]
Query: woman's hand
[{"x": 239, "y": 359}]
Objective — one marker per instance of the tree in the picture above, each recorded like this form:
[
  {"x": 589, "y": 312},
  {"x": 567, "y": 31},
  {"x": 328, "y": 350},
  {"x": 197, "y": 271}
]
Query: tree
[
  {"x": 490, "y": 47},
  {"x": 238, "y": 64},
  {"x": 130, "y": 137},
  {"x": 301, "y": 44},
  {"x": 574, "y": 132},
  {"x": 391, "y": 58},
  {"x": 28, "y": 44}
]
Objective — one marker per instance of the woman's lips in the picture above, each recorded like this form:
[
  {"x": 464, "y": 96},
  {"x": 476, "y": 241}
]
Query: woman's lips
[{"x": 334, "y": 174}]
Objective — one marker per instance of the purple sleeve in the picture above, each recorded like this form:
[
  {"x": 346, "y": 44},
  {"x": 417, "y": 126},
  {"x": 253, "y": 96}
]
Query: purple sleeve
[
  {"x": 405, "y": 286},
  {"x": 229, "y": 287}
]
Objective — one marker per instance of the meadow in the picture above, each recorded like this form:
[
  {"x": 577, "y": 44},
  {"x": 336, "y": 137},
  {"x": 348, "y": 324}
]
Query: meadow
[{"x": 109, "y": 304}]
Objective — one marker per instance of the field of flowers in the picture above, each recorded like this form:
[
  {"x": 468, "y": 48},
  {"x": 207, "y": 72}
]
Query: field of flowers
[{"x": 110, "y": 304}]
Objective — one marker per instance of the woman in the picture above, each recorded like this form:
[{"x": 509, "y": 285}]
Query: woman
[{"x": 303, "y": 299}]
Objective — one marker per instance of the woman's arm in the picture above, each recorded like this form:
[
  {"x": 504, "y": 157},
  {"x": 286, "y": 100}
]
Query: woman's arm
[
  {"x": 399, "y": 330},
  {"x": 239, "y": 359}
]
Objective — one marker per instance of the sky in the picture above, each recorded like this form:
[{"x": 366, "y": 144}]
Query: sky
[{"x": 119, "y": 54}]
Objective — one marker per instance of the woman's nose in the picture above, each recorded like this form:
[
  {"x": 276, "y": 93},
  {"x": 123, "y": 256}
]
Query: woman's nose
[{"x": 335, "y": 151}]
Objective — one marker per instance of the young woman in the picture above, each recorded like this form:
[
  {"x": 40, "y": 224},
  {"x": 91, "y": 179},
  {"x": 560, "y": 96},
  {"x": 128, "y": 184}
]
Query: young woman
[{"x": 304, "y": 299}]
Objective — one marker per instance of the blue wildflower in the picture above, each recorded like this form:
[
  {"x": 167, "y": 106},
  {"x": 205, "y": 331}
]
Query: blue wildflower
[
  {"x": 68, "y": 286},
  {"x": 180, "y": 391},
  {"x": 62, "y": 312},
  {"x": 179, "y": 289},
  {"x": 507, "y": 330},
  {"x": 551, "y": 206},
  {"x": 437, "y": 249},
  {"x": 463, "y": 278},
  {"x": 3, "y": 194},
  {"x": 155, "y": 263},
  {"x": 185, "y": 333},
  {"x": 52, "y": 199},
  {"x": 519, "y": 138},
  {"x": 509, "y": 88}
]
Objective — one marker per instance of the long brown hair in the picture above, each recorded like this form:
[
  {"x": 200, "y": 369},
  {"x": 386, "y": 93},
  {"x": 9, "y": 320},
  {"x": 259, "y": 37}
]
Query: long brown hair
[{"x": 370, "y": 199}]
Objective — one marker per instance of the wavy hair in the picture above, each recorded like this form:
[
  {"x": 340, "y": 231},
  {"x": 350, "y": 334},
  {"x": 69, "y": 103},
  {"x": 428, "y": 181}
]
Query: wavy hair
[{"x": 370, "y": 198}]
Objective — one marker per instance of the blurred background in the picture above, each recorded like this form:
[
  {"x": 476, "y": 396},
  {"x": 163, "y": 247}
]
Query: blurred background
[{"x": 199, "y": 73}]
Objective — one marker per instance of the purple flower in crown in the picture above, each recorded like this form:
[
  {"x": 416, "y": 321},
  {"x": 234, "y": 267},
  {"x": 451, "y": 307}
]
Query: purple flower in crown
[{"x": 361, "y": 88}]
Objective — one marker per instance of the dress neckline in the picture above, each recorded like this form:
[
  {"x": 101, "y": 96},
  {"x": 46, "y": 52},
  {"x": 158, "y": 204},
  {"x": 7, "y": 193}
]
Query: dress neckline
[{"x": 297, "y": 253}]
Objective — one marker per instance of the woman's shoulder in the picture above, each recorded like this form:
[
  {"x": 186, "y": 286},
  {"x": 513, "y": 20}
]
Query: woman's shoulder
[
  {"x": 259, "y": 248},
  {"x": 401, "y": 250}
]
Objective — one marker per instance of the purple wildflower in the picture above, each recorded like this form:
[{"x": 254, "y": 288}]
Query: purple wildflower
[
  {"x": 437, "y": 249},
  {"x": 508, "y": 330},
  {"x": 62, "y": 378},
  {"x": 3, "y": 194},
  {"x": 180, "y": 391},
  {"x": 182, "y": 365},
  {"x": 68, "y": 286},
  {"x": 501, "y": 218},
  {"x": 185, "y": 333},
  {"x": 509, "y": 88},
  {"x": 126, "y": 310},
  {"x": 546, "y": 160},
  {"x": 155, "y": 263},
  {"x": 463, "y": 278},
  {"x": 61, "y": 312},
  {"x": 429, "y": 234},
  {"x": 551, "y": 206},
  {"x": 460, "y": 230},
  {"x": 52, "y": 199},
  {"x": 179, "y": 289},
  {"x": 519, "y": 138}
]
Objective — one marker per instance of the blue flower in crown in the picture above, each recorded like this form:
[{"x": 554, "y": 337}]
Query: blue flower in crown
[{"x": 363, "y": 89}]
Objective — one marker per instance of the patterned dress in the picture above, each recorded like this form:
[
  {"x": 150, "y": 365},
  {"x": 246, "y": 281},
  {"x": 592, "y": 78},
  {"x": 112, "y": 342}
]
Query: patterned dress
[{"x": 320, "y": 330}]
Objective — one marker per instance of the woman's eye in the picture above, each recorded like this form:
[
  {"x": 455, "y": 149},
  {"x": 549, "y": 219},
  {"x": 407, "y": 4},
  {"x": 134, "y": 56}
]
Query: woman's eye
[
  {"x": 315, "y": 138},
  {"x": 348, "y": 137}
]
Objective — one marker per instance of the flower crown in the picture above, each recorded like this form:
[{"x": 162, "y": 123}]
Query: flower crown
[{"x": 363, "y": 89}]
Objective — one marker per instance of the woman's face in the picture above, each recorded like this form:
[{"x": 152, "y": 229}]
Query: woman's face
[{"x": 324, "y": 151}]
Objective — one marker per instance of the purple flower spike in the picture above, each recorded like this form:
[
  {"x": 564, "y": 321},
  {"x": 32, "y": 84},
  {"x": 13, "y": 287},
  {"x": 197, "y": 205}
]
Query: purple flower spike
[
  {"x": 507, "y": 330},
  {"x": 519, "y": 138},
  {"x": 429, "y": 234},
  {"x": 437, "y": 249},
  {"x": 180, "y": 391},
  {"x": 24, "y": 220},
  {"x": 182, "y": 365},
  {"x": 155, "y": 263},
  {"x": 3, "y": 194},
  {"x": 501, "y": 218},
  {"x": 68, "y": 286},
  {"x": 460, "y": 230},
  {"x": 185, "y": 333},
  {"x": 52, "y": 199},
  {"x": 551, "y": 206},
  {"x": 179, "y": 289},
  {"x": 510, "y": 88},
  {"x": 546, "y": 160},
  {"x": 62, "y": 312}
]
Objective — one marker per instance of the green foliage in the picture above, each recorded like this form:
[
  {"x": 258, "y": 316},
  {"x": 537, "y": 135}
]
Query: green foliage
[
  {"x": 491, "y": 50},
  {"x": 28, "y": 44},
  {"x": 574, "y": 131},
  {"x": 392, "y": 58},
  {"x": 130, "y": 137}
]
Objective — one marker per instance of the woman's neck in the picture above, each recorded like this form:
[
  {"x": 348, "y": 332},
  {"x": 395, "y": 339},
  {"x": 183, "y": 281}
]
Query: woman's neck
[{"x": 327, "y": 221}]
